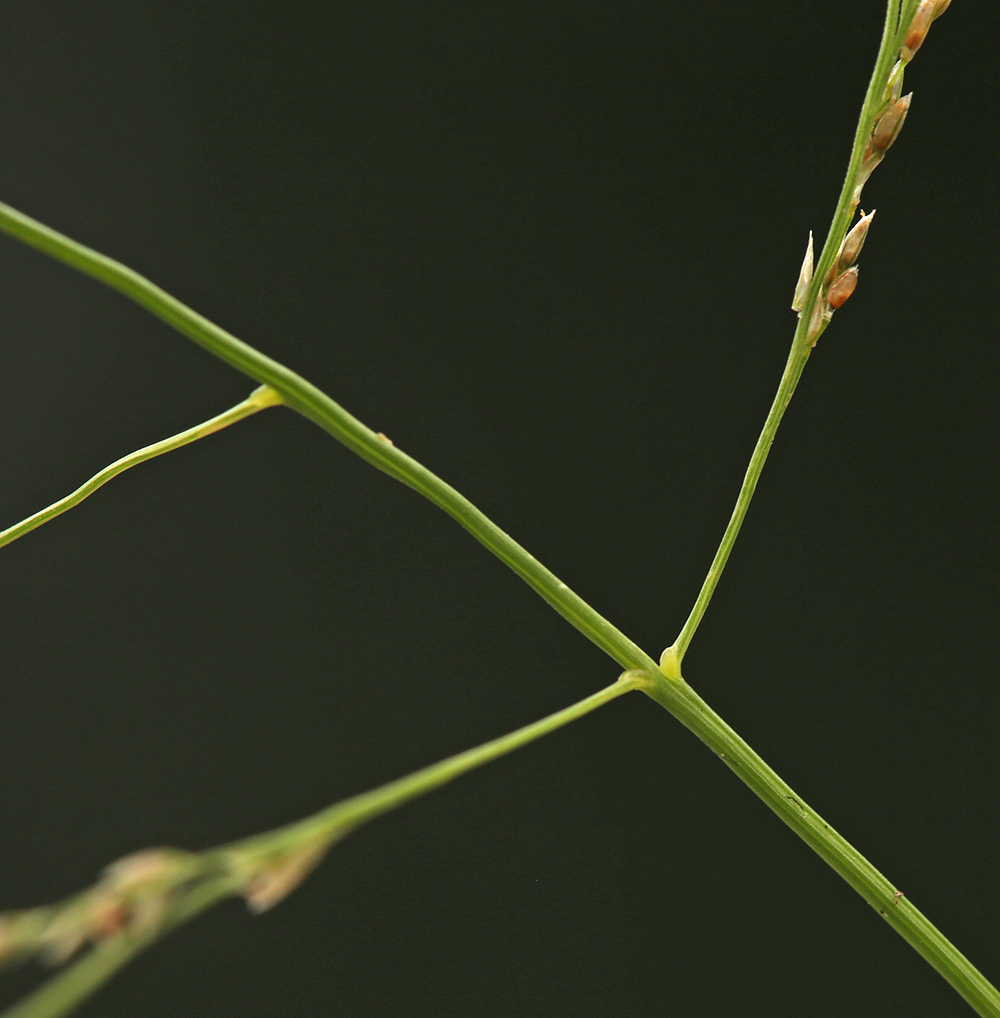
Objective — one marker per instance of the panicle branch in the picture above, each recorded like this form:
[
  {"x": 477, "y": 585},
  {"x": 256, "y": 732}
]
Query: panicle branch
[{"x": 841, "y": 279}]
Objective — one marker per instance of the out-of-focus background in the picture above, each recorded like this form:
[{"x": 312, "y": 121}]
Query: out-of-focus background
[{"x": 549, "y": 249}]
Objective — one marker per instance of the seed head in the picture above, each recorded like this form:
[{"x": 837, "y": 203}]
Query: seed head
[
  {"x": 842, "y": 288},
  {"x": 144, "y": 869},
  {"x": 919, "y": 27},
  {"x": 939, "y": 8}
]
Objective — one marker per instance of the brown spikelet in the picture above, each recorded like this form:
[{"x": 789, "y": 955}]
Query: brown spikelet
[
  {"x": 918, "y": 29},
  {"x": 854, "y": 242},
  {"x": 888, "y": 126},
  {"x": 842, "y": 288}
]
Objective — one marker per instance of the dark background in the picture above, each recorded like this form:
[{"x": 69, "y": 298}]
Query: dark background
[{"x": 549, "y": 249}]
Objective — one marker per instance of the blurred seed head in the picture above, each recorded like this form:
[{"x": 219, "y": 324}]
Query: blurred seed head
[
  {"x": 143, "y": 869},
  {"x": 271, "y": 882}
]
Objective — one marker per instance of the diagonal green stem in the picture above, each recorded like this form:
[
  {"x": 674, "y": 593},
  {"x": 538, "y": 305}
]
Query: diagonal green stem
[
  {"x": 342, "y": 817},
  {"x": 800, "y": 349},
  {"x": 672, "y": 657},
  {"x": 258, "y": 400},
  {"x": 911, "y": 924},
  {"x": 308, "y": 400}
]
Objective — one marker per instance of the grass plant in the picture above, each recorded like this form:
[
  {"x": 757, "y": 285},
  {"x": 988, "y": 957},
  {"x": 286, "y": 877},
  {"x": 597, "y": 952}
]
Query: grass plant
[{"x": 142, "y": 897}]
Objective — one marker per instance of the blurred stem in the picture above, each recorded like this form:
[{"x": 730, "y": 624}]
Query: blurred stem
[
  {"x": 258, "y": 400},
  {"x": 892, "y": 31}
]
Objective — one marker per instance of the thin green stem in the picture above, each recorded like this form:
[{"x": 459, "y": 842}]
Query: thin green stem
[
  {"x": 673, "y": 656},
  {"x": 308, "y": 400},
  {"x": 258, "y": 400},
  {"x": 337, "y": 820}
]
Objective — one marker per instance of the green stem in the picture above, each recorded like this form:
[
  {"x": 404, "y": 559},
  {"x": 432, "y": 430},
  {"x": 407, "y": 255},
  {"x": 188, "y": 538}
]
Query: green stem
[
  {"x": 258, "y": 400},
  {"x": 689, "y": 708},
  {"x": 337, "y": 820},
  {"x": 308, "y": 400},
  {"x": 673, "y": 656}
]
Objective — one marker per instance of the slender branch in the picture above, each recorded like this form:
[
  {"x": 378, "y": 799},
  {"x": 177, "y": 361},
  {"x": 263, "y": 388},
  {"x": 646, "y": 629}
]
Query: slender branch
[
  {"x": 343, "y": 817},
  {"x": 258, "y": 400},
  {"x": 672, "y": 657},
  {"x": 804, "y": 339}
]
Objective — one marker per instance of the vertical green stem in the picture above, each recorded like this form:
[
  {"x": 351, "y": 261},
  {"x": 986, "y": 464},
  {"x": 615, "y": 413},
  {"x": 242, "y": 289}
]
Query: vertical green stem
[
  {"x": 794, "y": 366},
  {"x": 672, "y": 657}
]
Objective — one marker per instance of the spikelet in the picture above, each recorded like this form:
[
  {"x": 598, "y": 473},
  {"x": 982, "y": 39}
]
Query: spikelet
[
  {"x": 805, "y": 277},
  {"x": 888, "y": 126},
  {"x": 919, "y": 27},
  {"x": 842, "y": 288},
  {"x": 854, "y": 242},
  {"x": 894, "y": 86},
  {"x": 132, "y": 895},
  {"x": 275, "y": 881}
]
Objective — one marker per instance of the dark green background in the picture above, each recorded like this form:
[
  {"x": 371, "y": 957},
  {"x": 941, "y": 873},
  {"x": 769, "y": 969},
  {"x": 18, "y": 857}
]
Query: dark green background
[{"x": 549, "y": 249}]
